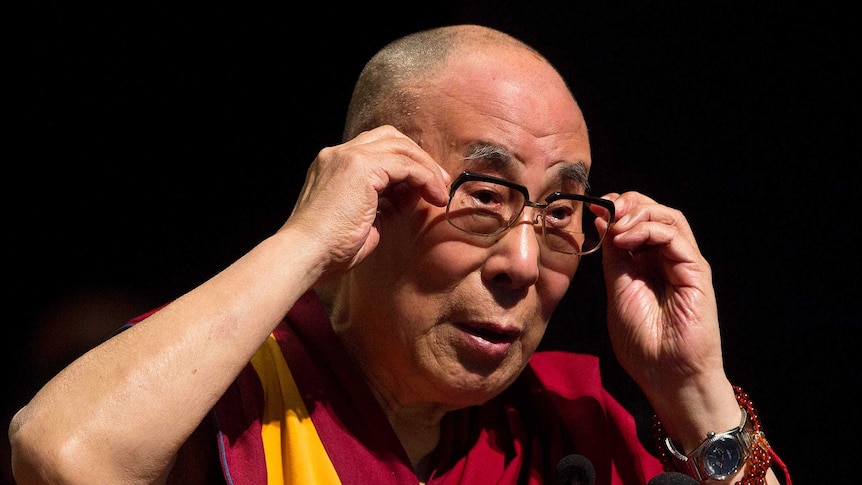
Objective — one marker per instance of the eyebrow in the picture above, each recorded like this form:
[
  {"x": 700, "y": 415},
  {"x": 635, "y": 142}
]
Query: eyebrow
[
  {"x": 576, "y": 172},
  {"x": 493, "y": 155},
  {"x": 499, "y": 158}
]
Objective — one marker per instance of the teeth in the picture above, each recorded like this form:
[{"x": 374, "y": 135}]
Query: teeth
[{"x": 491, "y": 336}]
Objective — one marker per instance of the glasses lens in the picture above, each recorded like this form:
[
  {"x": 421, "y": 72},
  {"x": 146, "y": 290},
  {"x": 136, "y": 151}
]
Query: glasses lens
[
  {"x": 569, "y": 226},
  {"x": 488, "y": 208},
  {"x": 485, "y": 208}
]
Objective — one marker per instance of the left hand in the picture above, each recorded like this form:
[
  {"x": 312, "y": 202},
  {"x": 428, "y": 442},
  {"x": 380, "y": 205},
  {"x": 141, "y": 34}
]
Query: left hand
[{"x": 662, "y": 314}]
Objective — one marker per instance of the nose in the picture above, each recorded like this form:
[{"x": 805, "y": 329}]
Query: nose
[{"x": 515, "y": 256}]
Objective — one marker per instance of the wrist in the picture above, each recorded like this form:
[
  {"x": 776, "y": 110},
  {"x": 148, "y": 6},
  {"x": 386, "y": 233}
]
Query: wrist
[
  {"x": 688, "y": 412},
  {"x": 722, "y": 454},
  {"x": 718, "y": 457}
]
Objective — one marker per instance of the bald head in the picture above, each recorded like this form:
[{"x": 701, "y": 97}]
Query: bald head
[{"x": 386, "y": 91}]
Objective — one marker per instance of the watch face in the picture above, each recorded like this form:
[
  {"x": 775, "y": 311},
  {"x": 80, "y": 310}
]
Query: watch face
[{"x": 722, "y": 458}]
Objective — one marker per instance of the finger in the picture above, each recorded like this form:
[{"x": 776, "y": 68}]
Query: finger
[
  {"x": 634, "y": 210},
  {"x": 403, "y": 160}
]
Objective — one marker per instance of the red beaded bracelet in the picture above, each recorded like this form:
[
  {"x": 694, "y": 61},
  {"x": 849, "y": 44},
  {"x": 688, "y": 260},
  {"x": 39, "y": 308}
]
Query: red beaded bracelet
[{"x": 761, "y": 455}]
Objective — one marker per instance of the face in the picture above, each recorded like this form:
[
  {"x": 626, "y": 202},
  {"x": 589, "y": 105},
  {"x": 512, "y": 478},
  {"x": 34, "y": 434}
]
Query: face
[{"x": 441, "y": 316}]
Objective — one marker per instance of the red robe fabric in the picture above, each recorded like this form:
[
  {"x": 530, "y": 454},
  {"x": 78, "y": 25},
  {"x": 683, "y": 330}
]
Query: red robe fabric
[{"x": 557, "y": 407}]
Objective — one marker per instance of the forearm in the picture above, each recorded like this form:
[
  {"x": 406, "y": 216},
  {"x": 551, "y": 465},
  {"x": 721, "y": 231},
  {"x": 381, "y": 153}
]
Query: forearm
[{"x": 122, "y": 410}]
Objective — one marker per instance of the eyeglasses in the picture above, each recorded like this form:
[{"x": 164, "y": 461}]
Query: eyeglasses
[{"x": 487, "y": 206}]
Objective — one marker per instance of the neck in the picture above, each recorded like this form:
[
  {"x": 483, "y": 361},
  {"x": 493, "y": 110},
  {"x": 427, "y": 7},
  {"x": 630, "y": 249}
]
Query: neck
[
  {"x": 418, "y": 428},
  {"x": 417, "y": 424}
]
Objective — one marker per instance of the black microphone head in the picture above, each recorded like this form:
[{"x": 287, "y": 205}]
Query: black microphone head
[
  {"x": 673, "y": 478},
  {"x": 576, "y": 470}
]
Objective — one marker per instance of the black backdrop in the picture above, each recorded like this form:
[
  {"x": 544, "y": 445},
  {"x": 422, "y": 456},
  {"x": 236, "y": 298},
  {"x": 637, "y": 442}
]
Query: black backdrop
[{"x": 152, "y": 145}]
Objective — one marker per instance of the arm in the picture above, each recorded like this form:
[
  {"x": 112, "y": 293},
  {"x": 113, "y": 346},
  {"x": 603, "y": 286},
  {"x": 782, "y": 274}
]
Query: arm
[
  {"x": 120, "y": 413},
  {"x": 663, "y": 320}
]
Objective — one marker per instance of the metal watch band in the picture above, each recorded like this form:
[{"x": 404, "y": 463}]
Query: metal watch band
[{"x": 695, "y": 463}]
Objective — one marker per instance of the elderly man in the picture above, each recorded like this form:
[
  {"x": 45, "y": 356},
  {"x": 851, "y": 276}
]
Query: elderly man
[{"x": 387, "y": 332}]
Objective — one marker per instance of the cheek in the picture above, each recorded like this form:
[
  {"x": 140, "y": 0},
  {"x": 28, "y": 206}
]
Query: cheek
[
  {"x": 440, "y": 256},
  {"x": 557, "y": 279},
  {"x": 419, "y": 259},
  {"x": 443, "y": 265}
]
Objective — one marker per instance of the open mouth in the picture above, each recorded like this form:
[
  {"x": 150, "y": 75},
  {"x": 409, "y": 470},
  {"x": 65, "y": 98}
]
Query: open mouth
[{"x": 489, "y": 334}]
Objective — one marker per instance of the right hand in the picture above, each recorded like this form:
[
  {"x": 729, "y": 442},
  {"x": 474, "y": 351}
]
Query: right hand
[{"x": 338, "y": 203}]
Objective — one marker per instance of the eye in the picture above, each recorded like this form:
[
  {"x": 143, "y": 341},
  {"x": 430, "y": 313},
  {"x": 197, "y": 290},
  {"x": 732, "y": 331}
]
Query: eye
[
  {"x": 482, "y": 207},
  {"x": 487, "y": 197},
  {"x": 560, "y": 214}
]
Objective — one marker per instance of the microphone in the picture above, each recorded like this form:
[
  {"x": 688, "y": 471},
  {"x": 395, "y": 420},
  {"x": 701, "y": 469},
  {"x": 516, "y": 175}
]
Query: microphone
[
  {"x": 576, "y": 470},
  {"x": 672, "y": 478}
]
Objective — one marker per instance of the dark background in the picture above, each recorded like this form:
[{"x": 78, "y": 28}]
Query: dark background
[{"x": 152, "y": 145}]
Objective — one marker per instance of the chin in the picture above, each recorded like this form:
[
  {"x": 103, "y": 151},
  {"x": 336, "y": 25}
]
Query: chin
[{"x": 470, "y": 388}]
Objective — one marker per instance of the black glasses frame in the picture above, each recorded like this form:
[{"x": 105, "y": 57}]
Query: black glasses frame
[{"x": 472, "y": 176}]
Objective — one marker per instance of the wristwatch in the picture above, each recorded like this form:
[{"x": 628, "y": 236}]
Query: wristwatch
[{"x": 719, "y": 456}]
